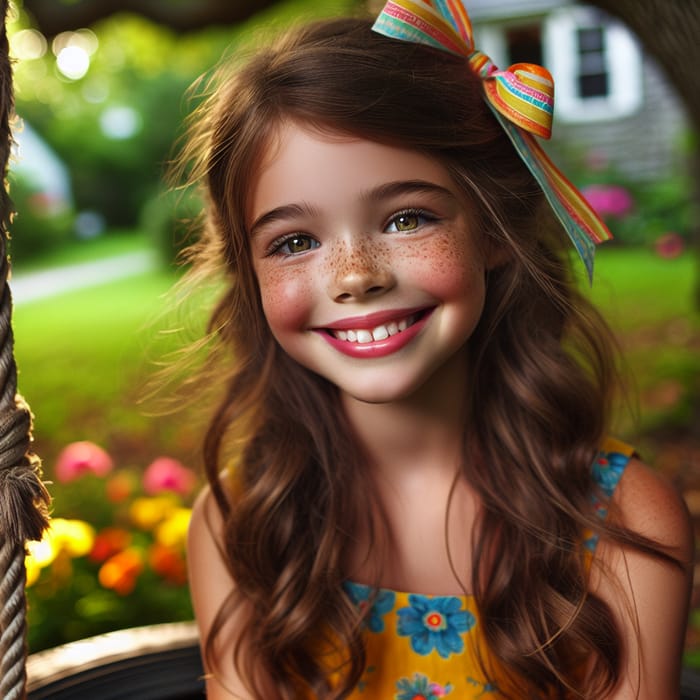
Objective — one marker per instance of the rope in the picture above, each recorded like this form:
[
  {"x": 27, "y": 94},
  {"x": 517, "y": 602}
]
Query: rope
[{"x": 23, "y": 498}]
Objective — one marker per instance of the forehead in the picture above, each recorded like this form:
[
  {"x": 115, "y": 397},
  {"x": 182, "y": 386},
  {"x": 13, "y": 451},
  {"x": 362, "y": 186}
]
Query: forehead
[{"x": 303, "y": 163}]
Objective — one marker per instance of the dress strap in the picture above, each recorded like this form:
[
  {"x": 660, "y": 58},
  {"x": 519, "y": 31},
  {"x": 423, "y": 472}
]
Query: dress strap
[{"x": 606, "y": 471}]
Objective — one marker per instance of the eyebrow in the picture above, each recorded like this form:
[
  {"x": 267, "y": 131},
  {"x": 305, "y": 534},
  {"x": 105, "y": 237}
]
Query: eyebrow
[
  {"x": 401, "y": 187},
  {"x": 282, "y": 213},
  {"x": 375, "y": 194}
]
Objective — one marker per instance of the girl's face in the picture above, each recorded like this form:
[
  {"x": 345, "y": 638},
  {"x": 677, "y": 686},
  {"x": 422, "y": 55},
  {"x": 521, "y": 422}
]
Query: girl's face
[{"x": 370, "y": 273}]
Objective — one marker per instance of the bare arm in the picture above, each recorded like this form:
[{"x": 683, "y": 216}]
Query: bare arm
[
  {"x": 648, "y": 597},
  {"x": 210, "y": 587}
]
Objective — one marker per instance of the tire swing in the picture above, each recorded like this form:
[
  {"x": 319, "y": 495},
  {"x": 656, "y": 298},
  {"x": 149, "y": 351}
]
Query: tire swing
[{"x": 24, "y": 500}]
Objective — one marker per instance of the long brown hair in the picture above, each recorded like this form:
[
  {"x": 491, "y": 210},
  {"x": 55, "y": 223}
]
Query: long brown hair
[{"x": 542, "y": 372}]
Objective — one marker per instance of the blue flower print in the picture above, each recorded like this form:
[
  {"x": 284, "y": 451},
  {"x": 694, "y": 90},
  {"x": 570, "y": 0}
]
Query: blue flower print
[
  {"x": 382, "y": 604},
  {"x": 487, "y": 687},
  {"x": 420, "y": 688},
  {"x": 435, "y": 623},
  {"x": 608, "y": 469}
]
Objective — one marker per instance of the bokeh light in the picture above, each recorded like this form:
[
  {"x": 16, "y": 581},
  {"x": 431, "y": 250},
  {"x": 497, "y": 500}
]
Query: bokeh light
[
  {"x": 28, "y": 44},
  {"x": 73, "y": 51}
]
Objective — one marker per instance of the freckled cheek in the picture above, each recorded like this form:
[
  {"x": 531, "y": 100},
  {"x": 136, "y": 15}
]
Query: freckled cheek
[
  {"x": 447, "y": 265},
  {"x": 286, "y": 298}
]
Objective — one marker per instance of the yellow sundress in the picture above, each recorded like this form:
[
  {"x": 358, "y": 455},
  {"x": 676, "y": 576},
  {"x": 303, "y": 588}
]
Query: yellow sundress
[{"x": 424, "y": 647}]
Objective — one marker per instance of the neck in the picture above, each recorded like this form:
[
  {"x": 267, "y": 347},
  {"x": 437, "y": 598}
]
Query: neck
[{"x": 422, "y": 432}]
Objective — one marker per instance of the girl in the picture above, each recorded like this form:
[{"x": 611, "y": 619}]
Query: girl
[{"x": 413, "y": 394}]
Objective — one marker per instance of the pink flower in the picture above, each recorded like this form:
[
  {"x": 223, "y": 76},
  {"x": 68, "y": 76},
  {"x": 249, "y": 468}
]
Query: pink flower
[
  {"x": 609, "y": 200},
  {"x": 80, "y": 458},
  {"x": 167, "y": 474}
]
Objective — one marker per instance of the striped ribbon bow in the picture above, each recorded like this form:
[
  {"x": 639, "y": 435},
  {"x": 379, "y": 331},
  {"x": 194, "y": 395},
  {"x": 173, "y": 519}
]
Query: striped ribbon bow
[{"x": 521, "y": 98}]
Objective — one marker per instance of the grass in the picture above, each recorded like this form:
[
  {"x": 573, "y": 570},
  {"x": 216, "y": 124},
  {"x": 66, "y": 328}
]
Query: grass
[
  {"x": 637, "y": 288},
  {"x": 81, "y": 358}
]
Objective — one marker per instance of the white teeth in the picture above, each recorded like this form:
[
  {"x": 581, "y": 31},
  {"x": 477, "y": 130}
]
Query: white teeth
[{"x": 379, "y": 333}]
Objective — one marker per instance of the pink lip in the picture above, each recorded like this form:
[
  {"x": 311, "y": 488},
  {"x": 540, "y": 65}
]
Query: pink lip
[{"x": 377, "y": 348}]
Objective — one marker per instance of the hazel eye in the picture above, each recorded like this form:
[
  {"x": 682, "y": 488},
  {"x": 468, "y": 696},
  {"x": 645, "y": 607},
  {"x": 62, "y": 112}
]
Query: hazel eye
[
  {"x": 406, "y": 221},
  {"x": 295, "y": 244}
]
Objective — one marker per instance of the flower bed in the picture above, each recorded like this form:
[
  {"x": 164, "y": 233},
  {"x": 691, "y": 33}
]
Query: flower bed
[{"x": 114, "y": 555}]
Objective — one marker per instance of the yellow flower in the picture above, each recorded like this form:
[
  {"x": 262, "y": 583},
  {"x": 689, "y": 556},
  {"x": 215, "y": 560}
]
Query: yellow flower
[
  {"x": 73, "y": 538},
  {"x": 147, "y": 512},
  {"x": 172, "y": 532}
]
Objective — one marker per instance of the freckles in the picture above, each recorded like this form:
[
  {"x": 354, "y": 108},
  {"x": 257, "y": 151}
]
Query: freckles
[
  {"x": 450, "y": 258},
  {"x": 343, "y": 260}
]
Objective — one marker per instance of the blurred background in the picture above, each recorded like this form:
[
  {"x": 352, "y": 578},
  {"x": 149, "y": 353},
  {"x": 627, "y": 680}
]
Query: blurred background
[{"x": 101, "y": 100}]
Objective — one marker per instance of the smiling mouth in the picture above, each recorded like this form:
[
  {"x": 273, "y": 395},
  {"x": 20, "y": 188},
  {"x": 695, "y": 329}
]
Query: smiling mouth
[{"x": 381, "y": 332}]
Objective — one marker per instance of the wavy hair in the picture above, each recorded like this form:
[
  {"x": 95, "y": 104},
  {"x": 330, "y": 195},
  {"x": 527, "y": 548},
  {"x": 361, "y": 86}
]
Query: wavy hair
[{"x": 542, "y": 374}]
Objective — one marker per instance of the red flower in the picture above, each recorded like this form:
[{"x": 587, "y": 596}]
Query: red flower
[
  {"x": 670, "y": 245},
  {"x": 80, "y": 458},
  {"x": 167, "y": 474},
  {"x": 168, "y": 563},
  {"x": 109, "y": 542}
]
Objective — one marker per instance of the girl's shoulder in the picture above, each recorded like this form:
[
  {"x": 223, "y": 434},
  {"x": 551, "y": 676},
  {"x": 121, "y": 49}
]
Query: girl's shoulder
[
  {"x": 640, "y": 498},
  {"x": 648, "y": 595},
  {"x": 647, "y": 503}
]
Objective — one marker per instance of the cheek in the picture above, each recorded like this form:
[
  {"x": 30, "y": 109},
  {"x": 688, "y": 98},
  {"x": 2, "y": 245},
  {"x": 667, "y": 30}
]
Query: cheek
[
  {"x": 285, "y": 295},
  {"x": 448, "y": 264}
]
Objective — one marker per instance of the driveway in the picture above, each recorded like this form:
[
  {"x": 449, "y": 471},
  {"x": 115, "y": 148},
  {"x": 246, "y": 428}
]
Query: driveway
[{"x": 33, "y": 286}]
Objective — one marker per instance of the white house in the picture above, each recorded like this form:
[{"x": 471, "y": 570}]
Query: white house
[{"x": 611, "y": 99}]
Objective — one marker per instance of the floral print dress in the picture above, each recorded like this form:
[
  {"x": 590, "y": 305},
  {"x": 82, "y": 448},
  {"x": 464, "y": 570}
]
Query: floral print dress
[{"x": 425, "y": 647}]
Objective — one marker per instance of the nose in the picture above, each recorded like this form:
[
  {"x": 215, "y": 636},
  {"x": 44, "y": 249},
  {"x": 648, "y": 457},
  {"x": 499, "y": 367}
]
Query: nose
[{"x": 358, "y": 273}]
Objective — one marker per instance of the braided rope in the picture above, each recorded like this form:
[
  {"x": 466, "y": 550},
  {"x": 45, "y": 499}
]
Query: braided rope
[{"x": 23, "y": 498}]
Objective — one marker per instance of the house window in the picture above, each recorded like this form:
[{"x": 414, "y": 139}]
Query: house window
[
  {"x": 593, "y": 76},
  {"x": 596, "y": 64},
  {"x": 524, "y": 44}
]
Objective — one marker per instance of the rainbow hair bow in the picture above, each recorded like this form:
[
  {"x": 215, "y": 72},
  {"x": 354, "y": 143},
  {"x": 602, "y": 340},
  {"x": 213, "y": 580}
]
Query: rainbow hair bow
[{"x": 521, "y": 98}]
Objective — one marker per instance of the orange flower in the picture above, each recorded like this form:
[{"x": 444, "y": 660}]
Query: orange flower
[
  {"x": 168, "y": 563},
  {"x": 120, "y": 487},
  {"x": 121, "y": 571},
  {"x": 109, "y": 542}
]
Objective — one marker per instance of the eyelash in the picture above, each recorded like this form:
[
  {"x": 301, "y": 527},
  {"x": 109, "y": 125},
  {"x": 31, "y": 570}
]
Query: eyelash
[
  {"x": 418, "y": 213},
  {"x": 275, "y": 248}
]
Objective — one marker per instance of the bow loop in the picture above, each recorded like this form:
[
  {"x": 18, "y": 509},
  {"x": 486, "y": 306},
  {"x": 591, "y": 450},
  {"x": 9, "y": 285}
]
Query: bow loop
[
  {"x": 523, "y": 94},
  {"x": 521, "y": 98}
]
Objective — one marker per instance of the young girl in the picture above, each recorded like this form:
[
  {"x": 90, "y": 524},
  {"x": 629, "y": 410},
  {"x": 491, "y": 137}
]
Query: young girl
[{"x": 412, "y": 492}]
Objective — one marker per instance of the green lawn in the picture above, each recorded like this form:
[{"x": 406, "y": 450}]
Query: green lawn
[
  {"x": 636, "y": 287},
  {"x": 82, "y": 358}
]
